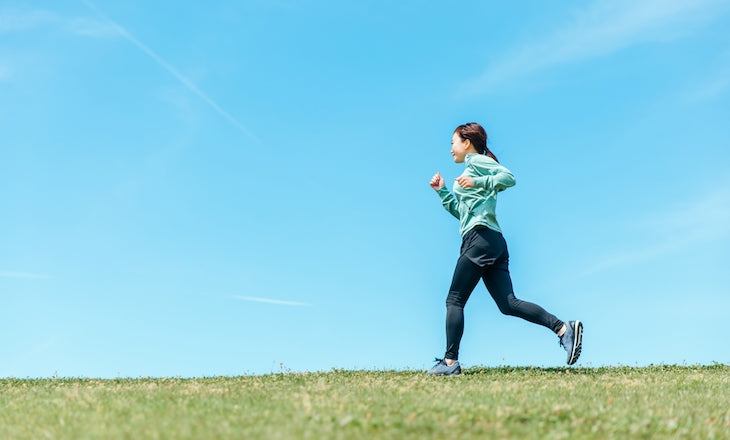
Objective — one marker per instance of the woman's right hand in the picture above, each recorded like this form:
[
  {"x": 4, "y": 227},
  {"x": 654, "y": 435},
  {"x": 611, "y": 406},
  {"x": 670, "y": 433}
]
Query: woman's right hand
[{"x": 437, "y": 182}]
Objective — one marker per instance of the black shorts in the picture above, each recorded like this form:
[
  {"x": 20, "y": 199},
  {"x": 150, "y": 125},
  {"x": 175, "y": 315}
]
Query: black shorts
[{"x": 485, "y": 247}]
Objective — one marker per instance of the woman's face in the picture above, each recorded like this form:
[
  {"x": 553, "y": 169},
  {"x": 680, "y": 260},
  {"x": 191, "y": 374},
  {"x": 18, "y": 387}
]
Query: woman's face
[{"x": 460, "y": 148}]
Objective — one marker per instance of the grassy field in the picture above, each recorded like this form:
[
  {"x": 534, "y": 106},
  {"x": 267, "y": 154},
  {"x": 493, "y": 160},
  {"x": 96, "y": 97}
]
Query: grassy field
[{"x": 655, "y": 402}]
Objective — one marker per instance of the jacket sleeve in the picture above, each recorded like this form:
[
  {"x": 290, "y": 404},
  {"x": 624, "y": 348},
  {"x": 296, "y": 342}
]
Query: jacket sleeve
[
  {"x": 492, "y": 176},
  {"x": 449, "y": 201}
]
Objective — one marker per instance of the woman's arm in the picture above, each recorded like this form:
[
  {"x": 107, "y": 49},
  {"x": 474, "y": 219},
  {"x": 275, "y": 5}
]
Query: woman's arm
[
  {"x": 447, "y": 199},
  {"x": 492, "y": 175}
]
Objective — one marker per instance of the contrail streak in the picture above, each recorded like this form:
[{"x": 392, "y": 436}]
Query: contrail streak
[
  {"x": 270, "y": 301},
  {"x": 170, "y": 69}
]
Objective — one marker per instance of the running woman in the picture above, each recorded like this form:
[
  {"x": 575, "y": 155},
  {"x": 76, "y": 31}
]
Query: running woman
[{"x": 483, "y": 249}]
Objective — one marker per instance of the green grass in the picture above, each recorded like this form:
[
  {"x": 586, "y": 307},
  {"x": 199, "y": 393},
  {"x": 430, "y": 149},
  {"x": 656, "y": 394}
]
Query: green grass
[{"x": 654, "y": 402}]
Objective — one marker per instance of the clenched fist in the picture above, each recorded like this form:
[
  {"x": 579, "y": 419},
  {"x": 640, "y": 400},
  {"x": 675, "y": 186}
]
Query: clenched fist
[
  {"x": 465, "y": 181},
  {"x": 437, "y": 182}
]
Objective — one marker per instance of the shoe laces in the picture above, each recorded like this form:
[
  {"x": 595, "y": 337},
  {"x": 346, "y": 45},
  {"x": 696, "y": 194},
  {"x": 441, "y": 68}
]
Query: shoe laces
[
  {"x": 438, "y": 361},
  {"x": 561, "y": 340}
]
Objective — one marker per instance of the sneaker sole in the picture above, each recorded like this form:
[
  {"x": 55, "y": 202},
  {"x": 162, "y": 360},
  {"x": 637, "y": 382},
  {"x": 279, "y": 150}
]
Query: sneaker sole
[
  {"x": 577, "y": 342},
  {"x": 455, "y": 373},
  {"x": 450, "y": 373}
]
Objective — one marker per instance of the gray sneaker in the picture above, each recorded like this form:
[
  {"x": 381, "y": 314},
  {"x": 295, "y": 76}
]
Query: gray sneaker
[
  {"x": 441, "y": 369},
  {"x": 572, "y": 340}
]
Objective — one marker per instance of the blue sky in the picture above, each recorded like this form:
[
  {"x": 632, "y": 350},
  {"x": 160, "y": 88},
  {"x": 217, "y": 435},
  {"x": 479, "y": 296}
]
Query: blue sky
[{"x": 240, "y": 188}]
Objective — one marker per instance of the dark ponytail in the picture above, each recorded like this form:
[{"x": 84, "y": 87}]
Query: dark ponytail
[{"x": 478, "y": 137}]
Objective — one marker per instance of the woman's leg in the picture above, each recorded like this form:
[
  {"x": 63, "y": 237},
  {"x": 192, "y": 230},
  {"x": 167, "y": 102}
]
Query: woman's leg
[
  {"x": 466, "y": 277},
  {"x": 499, "y": 285}
]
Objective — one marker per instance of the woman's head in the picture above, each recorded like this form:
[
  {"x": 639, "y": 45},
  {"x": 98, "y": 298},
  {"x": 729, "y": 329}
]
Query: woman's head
[{"x": 468, "y": 137}]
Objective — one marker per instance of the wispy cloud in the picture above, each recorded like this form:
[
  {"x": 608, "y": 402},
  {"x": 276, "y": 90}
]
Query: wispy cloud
[
  {"x": 12, "y": 20},
  {"x": 104, "y": 27},
  {"x": 604, "y": 27},
  {"x": 270, "y": 301},
  {"x": 28, "y": 275},
  {"x": 15, "y": 20},
  {"x": 88, "y": 27},
  {"x": 172, "y": 70},
  {"x": 704, "y": 220}
]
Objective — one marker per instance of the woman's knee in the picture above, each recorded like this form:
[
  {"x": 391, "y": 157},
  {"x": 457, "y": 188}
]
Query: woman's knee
[
  {"x": 506, "y": 309},
  {"x": 510, "y": 305},
  {"x": 456, "y": 299}
]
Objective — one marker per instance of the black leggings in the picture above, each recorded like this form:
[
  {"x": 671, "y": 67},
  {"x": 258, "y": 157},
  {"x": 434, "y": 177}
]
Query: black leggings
[{"x": 484, "y": 255}]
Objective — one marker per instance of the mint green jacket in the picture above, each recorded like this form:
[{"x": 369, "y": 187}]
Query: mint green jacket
[{"x": 476, "y": 206}]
